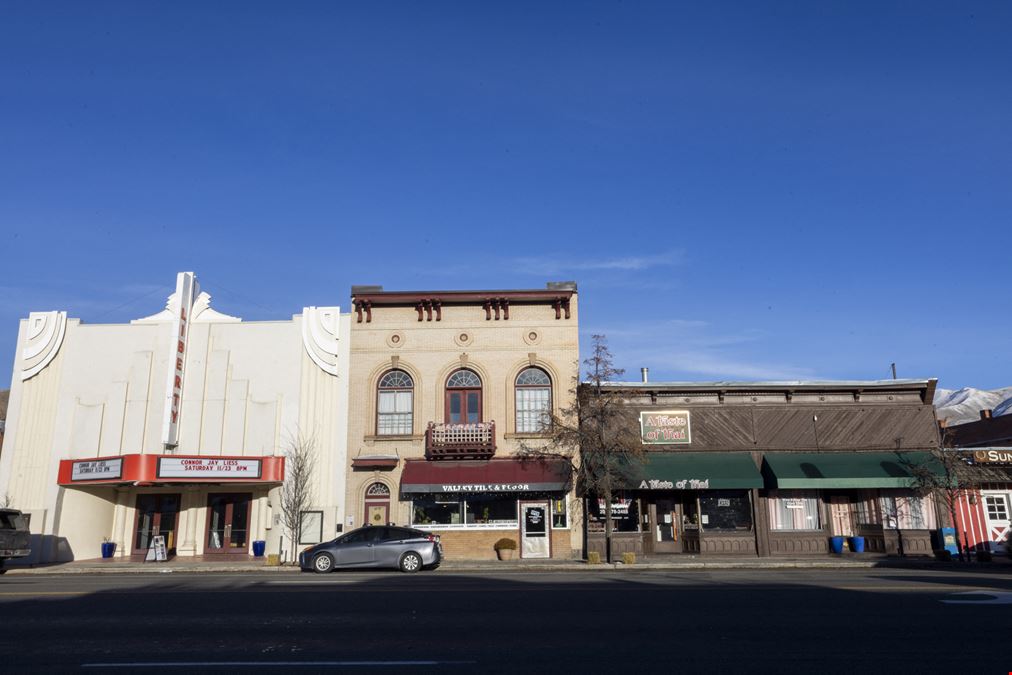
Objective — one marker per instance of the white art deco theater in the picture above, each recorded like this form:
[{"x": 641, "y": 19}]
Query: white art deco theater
[{"x": 174, "y": 425}]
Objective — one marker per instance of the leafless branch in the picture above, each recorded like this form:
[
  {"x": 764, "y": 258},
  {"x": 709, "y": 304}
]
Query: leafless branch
[
  {"x": 297, "y": 491},
  {"x": 596, "y": 436}
]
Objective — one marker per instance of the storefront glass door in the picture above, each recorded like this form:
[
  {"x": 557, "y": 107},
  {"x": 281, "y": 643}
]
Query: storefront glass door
[
  {"x": 228, "y": 523},
  {"x": 667, "y": 527},
  {"x": 156, "y": 515},
  {"x": 534, "y": 532},
  {"x": 839, "y": 510}
]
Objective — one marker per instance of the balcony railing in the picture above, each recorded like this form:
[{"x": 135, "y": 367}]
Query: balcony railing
[{"x": 460, "y": 441}]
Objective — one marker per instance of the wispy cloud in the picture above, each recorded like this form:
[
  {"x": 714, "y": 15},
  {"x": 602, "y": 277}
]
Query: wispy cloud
[
  {"x": 717, "y": 365},
  {"x": 546, "y": 266},
  {"x": 608, "y": 268},
  {"x": 678, "y": 349},
  {"x": 99, "y": 301}
]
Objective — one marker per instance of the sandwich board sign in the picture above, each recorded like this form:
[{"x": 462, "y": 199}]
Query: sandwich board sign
[{"x": 157, "y": 551}]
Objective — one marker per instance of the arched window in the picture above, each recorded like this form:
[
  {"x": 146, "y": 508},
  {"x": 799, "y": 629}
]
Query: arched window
[
  {"x": 394, "y": 404},
  {"x": 463, "y": 397},
  {"x": 378, "y": 490},
  {"x": 534, "y": 400}
]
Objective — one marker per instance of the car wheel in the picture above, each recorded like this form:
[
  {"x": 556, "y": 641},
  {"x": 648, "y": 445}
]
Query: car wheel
[
  {"x": 410, "y": 562},
  {"x": 323, "y": 563}
]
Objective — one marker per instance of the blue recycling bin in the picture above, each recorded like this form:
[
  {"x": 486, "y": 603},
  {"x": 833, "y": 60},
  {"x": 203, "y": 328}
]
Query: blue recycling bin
[
  {"x": 947, "y": 539},
  {"x": 857, "y": 544},
  {"x": 837, "y": 544},
  {"x": 108, "y": 549},
  {"x": 259, "y": 546}
]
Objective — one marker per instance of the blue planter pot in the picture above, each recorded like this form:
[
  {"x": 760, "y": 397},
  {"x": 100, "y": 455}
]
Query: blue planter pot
[
  {"x": 857, "y": 544},
  {"x": 837, "y": 544},
  {"x": 259, "y": 546},
  {"x": 108, "y": 549}
]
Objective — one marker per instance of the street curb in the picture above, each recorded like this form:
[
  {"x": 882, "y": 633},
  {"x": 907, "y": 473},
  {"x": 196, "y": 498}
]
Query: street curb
[
  {"x": 153, "y": 569},
  {"x": 458, "y": 567}
]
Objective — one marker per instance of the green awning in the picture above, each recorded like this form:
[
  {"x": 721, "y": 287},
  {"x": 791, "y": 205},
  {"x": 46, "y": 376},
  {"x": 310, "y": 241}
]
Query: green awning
[
  {"x": 696, "y": 471},
  {"x": 846, "y": 469}
]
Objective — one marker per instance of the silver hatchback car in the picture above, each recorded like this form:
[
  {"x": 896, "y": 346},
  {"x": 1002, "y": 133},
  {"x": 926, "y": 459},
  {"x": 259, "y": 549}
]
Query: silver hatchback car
[{"x": 402, "y": 548}]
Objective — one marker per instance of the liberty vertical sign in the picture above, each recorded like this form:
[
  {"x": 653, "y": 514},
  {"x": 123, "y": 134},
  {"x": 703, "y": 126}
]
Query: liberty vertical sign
[
  {"x": 186, "y": 290},
  {"x": 665, "y": 427}
]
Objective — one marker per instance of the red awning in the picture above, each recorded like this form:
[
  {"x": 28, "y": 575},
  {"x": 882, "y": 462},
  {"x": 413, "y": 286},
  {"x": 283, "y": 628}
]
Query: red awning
[
  {"x": 495, "y": 475},
  {"x": 168, "y": 469}
]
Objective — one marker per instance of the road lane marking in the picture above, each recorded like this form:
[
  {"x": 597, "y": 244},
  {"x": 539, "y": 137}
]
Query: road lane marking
[
  {"x": 321, "y": 582},
  {"x": 271, "y": 664},
  {"x": 5, "y": 593},
  {"x": 993, "y": 598}
]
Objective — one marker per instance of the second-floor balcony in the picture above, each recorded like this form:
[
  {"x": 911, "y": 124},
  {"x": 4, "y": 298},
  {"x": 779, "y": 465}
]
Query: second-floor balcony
[{"x": 460, "y": 441}]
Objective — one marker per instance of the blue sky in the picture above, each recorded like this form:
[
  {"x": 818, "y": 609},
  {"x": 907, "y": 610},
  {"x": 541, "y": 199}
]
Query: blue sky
[{"x": 742, "y": 190}]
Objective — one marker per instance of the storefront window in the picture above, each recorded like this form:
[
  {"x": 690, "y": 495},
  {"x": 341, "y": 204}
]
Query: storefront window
[
  {"x": 866, "y": 509},
  {"x": 477, "y": 510},
  {"x": 311, "y": 527},
  {"x": 794, "y": 510},
  {"x": 437, "y": 510},
  {"x": 560, "y": 514},
  {"x": 908, "y": 512},
  {"x": 490, "y": 510},
  {"x": 624, "y": 514},
  {"x": 726, "y": 511}
]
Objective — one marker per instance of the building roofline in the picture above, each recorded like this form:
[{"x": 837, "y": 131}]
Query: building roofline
[
  {"x": 553, "y": 290},
  {"x": 776, "y": 385}
]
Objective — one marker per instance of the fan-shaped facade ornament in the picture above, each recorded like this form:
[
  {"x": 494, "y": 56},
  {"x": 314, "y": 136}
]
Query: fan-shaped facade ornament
[
  {"x": 320, "y": 335},
  {"x": 43, "y": 338}
]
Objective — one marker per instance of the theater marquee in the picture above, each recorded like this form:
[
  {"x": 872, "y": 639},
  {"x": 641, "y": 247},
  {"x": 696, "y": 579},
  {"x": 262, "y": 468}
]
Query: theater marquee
[
  {"x": 204, "y": 467},
  {"x": 96, "y": 469},
  {"x": 143, "y": 469}
]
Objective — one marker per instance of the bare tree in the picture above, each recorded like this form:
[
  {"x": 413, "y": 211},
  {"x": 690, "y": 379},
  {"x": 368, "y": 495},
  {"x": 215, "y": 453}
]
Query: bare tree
[
  {"x": 297, "y": 490},
  {"x": 597, "y": 436},
  {"x": 951, "y": 475}
]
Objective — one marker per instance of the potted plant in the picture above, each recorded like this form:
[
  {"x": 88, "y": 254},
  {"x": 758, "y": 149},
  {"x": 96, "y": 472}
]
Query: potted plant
[
  {"x": 504, "y": 548},
  {"x": 108, "y": 548}
]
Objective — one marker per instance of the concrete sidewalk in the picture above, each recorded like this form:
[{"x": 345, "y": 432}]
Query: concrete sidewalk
[{"x": 254, "y": 565}]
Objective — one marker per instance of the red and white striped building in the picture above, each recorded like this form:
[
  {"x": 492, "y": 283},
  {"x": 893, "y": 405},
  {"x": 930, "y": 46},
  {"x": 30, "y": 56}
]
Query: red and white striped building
[{"x": 983, "y": 515}]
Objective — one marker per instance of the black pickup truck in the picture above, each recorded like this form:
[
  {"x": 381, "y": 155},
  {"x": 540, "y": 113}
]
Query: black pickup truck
[{"x": 14, "y": 537}]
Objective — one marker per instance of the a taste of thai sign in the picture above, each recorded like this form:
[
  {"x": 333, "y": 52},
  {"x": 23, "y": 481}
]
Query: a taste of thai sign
[
  {"x": 666, "y": 427},
  {"x": 207, "y": 467}
]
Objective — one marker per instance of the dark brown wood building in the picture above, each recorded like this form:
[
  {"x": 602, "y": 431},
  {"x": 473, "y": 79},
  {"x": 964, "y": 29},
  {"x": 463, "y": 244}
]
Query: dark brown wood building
[
  {"x": 775, "y": 468},
  {"x": 988, "y": 431}
]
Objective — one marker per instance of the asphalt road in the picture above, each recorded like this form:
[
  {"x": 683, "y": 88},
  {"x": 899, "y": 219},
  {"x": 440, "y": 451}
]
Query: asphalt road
[{"x": 775, "y": 621}]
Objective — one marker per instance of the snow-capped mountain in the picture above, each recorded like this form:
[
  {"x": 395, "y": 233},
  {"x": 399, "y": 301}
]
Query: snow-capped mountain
[{"x": 964, "y": 405}]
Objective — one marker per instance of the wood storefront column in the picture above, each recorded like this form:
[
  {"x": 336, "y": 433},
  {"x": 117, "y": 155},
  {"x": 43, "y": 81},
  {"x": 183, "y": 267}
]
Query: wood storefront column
[{"x": 761, "y": 520}]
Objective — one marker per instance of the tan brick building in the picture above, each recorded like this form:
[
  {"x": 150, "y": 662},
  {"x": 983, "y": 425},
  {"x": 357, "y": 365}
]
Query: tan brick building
[{"x": 444, "y": 388}]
